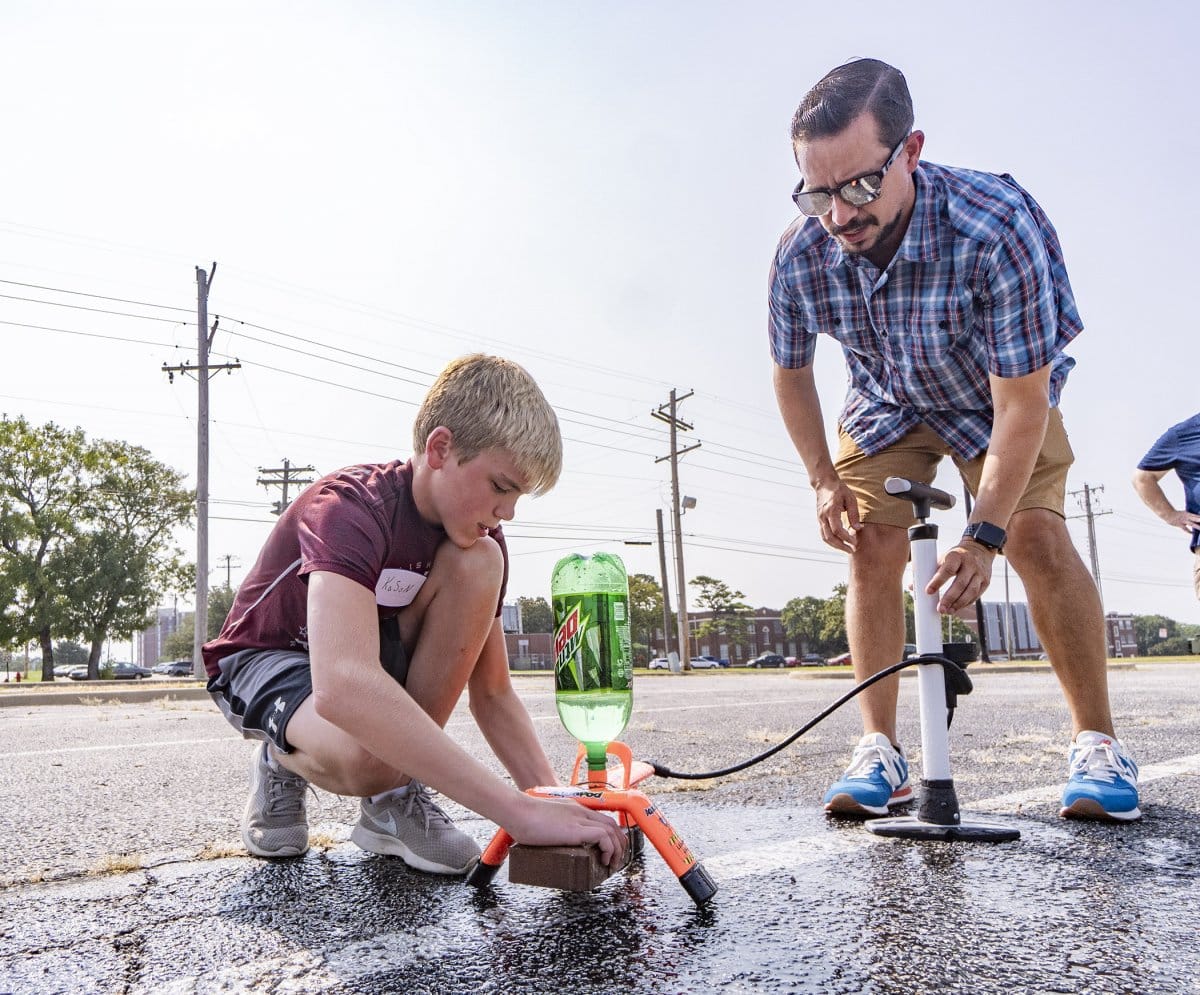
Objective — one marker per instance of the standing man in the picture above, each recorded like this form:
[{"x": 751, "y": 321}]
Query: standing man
[
  {"x": 947, "y": 292},
  {"x": 1178, "y": 450}
]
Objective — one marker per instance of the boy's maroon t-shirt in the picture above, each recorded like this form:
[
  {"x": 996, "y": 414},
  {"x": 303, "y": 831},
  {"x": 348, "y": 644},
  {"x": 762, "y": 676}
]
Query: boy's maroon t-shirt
[{"x": 360, "y": 522}]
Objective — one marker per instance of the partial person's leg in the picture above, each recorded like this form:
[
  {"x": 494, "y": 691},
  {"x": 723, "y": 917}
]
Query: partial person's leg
[
  {"x": 1066, "y": 611},
  {"x": 877, "y": 777},
  {"x": 875, "y": 620}
]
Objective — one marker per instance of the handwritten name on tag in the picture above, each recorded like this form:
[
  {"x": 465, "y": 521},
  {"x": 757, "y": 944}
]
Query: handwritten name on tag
[{"x": 396, "y": 588}]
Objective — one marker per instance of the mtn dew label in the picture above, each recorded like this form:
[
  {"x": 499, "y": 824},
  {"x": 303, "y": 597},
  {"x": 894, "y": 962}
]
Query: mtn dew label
[
  {"x": 592, "y": 659},
  {"x": 591, "y": 642}
]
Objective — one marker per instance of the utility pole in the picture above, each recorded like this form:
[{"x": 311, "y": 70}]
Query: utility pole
[
  {"x": 666, "y": 592},
  {"x": 204, "y": 372},
  {"x": 281, "y": 477},
  {"x": 1093, "y": 550},
  {"x": 229, "y": 564},
  {"x": 668, "y": 413}
]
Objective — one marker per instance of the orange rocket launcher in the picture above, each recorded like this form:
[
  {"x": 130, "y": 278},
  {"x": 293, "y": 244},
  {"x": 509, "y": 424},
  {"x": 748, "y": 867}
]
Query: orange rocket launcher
[{"x": 579, "y": 868}]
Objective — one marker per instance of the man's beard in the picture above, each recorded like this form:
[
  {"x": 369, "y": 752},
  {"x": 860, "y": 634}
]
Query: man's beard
[{"x": 881, "y": 237}]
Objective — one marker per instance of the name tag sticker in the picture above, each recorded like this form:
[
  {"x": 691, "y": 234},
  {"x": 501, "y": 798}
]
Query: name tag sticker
[{"x": 397, "y": 588}]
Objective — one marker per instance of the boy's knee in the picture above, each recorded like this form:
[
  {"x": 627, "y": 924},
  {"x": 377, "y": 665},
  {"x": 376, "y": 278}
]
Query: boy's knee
[
  {"x": 360, "y": 774},
  {"x": 479, "y": 566}
]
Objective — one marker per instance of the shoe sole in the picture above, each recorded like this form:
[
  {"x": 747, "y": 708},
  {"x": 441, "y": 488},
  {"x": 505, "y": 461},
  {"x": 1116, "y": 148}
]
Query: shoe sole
[
  {"x": 390, "y": 846},
  {"x": 1092, "y": 810},
  {"x": 285, "y": 852},
  {"x": 846, "y": 804}
]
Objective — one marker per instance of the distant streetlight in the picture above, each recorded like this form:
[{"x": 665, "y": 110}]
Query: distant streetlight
[{"x": 686, "y": 503}]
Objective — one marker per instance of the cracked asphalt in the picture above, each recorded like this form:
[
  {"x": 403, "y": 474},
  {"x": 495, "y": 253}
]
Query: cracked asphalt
[{"x": 122, "y": 868}]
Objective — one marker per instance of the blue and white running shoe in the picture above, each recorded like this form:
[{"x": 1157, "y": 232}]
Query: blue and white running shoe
[
  {"x": 875, "y": 781},
  {"x": 1102, "y": 780}
]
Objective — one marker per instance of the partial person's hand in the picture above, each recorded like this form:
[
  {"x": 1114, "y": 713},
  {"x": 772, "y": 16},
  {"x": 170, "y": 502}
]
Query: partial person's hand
[
  {"x": 837, "y": 515},
  {"x": 563, "y": 822},
  {"x": 1185, "y": 520},
  {"x": 968, "y": 569}
]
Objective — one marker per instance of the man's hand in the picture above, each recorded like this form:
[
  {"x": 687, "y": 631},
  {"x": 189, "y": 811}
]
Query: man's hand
[
  {"x": 969, "y": 567},
  {"x": 1183, "y": 520},
  {"x": 837, "y": 515},
  {"x": 563, "y": 822}
]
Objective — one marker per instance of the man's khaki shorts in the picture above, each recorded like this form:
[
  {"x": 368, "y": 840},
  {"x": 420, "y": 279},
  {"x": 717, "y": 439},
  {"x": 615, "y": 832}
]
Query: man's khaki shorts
[{"x": 916, "y": 457}]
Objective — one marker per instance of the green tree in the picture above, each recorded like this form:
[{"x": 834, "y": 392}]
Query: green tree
[
  {"x": 178, "y": 645},
  {"x": 1147, "y": 628},
  {"x": 833, "y": 620},
  {"x": 803, "y": 620},
  {"x": 536, "y": 614},
  {"x": 121, "y": 561},
  {"x": 42, "y": 490},
  {"x": 731, "y": 616},
  {"x": 69, "y": 653},
  {"x": 645, "y": 613}
]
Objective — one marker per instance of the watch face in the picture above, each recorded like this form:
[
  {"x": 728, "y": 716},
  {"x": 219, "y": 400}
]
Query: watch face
[{"x": 986, "y": 534}]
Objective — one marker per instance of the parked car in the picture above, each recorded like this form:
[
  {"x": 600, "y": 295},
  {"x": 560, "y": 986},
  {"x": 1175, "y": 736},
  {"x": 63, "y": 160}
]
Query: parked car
[
  {"x": 767, "y": 660},
  {"x": 812, "y": 660},
  {"x": 659, "y": 663},
  {"x": 120, "y": 671},
  {"x": 64, "y": 669},
  {"x": 175, "y": 668},
  {"x": 705, "y": 662},
  {"x": 910, "y": 650},
  {"x": 841, "y": 660},
  {"x": 130, "y": 671}
]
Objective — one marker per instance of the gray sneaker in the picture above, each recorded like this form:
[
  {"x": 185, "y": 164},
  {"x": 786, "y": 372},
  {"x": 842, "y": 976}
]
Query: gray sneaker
[
  {"x": 417, "y": 831},
  {"x": 275, "y": 823}
]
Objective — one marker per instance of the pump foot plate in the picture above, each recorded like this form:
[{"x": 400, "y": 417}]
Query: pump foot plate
[{"x": 910, "y": 828}]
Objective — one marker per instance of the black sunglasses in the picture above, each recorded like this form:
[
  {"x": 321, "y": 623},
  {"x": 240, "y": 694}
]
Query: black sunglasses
[{"x": 856, "y": 192}]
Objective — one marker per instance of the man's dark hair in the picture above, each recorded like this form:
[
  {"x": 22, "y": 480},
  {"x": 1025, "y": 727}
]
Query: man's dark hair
[{"x": 845, "y": 92}]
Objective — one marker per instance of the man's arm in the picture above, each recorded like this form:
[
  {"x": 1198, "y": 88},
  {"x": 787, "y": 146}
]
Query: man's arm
[
  {"x": 800, "y": 406},
  {"x": 502, "y": 717},
  {"x": 353, "y": 692},
  {"x": 1149, "y": 489},
  {"x": 1021, "y": 408}
]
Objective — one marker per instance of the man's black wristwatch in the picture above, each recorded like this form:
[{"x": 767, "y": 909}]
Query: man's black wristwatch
[{"x": 986, "y": 534}]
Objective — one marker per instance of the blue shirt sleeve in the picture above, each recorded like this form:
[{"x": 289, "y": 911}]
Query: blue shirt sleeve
[
  {"x": 1021, "y": 316},
  {"x": 792, "y": 345},
  {"x": 1164, "y": 454}
]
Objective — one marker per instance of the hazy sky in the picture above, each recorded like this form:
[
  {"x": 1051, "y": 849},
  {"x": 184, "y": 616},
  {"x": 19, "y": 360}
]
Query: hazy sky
[{"x": 594, "y": 190}]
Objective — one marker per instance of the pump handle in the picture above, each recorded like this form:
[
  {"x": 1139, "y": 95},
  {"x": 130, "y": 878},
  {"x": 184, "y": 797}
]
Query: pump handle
[{"x": 914, "y": 490}]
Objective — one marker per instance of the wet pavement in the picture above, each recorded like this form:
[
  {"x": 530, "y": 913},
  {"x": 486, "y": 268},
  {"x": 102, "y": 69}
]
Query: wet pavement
[{"x": 123, "y": 871}]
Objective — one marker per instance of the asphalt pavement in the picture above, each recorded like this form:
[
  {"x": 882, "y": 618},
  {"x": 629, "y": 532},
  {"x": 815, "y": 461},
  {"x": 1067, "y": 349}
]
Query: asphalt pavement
[{"x": 122, "y": 868}]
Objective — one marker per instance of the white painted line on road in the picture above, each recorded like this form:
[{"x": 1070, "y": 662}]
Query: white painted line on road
[
  {"x": 1180, "y": 766},
  {"x": 690, "y": 708},
  {"x": 103, "y": 747},
  {"x": 315, "y": 970},
  {"x": 460, "y": 724}
]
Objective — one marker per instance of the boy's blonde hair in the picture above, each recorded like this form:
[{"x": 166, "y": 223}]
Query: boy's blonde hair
[{"x": 492, "y": 403}]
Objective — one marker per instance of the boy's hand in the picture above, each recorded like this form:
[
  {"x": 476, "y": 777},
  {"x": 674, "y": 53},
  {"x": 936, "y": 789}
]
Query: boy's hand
[{"x": 563, "y": 822}]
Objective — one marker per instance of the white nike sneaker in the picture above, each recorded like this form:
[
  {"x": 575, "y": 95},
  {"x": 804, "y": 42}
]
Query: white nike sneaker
[{"x": 413, "y": 828}]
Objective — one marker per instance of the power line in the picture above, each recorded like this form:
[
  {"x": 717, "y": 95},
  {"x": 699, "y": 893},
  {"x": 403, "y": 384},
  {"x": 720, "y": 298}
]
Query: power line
[
  {"x": 94, "y": 310},
  {"x": 99, "y": 297}
]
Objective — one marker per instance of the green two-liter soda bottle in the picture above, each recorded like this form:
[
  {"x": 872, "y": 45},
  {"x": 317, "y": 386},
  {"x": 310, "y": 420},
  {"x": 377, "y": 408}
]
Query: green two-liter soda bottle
[{"x": 592, "y": 661}]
